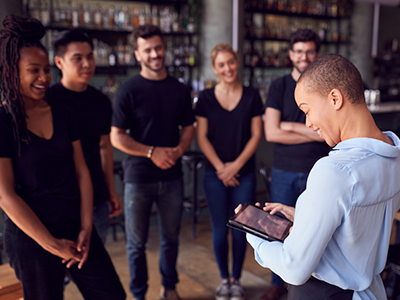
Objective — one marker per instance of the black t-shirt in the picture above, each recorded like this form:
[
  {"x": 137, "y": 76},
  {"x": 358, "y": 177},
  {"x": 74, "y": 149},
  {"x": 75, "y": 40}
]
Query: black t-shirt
[
  {"x": 152, "y": 111},
  {"x": 44, "y": 172},
  {"x": 296, "y": 157},
  {"x": 93, "y": 111},
  {"x": 229, "y": 131}
]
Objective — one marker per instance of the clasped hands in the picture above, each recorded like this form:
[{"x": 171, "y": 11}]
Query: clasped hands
[
  {"x": 228, "y": 174},
  {"x": 73, "y": 252},
  {"x": 166, "y": 157}
]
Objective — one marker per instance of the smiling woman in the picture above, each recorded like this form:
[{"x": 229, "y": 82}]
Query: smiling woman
[{"x": 45, "y": 186}]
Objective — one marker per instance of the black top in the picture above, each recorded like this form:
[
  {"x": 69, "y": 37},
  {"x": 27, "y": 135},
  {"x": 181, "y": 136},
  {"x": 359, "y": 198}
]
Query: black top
[
  {"x": 93, "y": 111},
  {"x": 44, "y": 172},
  {"x": 152, "y": 111},
  {"x": 229, "y": 131},
  {"x": 295, "y": 157}
]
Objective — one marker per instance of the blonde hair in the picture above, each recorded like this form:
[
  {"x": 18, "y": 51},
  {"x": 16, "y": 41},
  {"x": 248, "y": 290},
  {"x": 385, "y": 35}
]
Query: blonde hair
[{"x": 222, "y": 48}]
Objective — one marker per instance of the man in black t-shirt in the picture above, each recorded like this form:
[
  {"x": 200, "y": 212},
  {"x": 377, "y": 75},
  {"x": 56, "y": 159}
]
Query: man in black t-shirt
[
  {"x": 74, "y": 57},
  {"x": 297, "y": 147},
  {"x": 153, "y": 107}
]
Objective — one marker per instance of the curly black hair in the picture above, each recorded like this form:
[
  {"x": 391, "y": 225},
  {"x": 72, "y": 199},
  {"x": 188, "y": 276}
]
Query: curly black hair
[{"x": 19, "y": 32}]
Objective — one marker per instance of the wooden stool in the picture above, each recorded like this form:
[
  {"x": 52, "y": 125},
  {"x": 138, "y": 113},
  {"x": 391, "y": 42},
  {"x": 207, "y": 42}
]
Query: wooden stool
[{"x": 10, "y": 287}]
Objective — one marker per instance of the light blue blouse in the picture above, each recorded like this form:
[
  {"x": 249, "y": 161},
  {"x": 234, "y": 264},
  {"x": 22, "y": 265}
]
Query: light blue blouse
[{"x": 342, "y": 221}]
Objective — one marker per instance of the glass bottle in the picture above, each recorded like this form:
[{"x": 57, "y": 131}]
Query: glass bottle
[
  {"x": 118, "y": 17},
  {"x": 34, "y": 9},
  {"x": 98, "y": 16},
  {"x": 68, "y": 14},
  {"x": 154, "y": 16},
  {"x": 106, "y": 22},
  {"x": 142, "y": 16},
  {"x": 111, "y": 17},
  {"x": 148, "y": 15},
  {"x": 57, "y": 12},
  {"x": 87, "y": 18},
  {"x": 45, "y": 13},
  {"x": 75, "y": 17}
]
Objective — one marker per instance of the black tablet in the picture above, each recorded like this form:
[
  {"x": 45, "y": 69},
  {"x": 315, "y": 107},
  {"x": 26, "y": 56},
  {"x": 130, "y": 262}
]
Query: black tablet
[{"x": 255, "y": 220}]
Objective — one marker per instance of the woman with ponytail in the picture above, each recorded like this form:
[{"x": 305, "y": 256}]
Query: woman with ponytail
[{"x": 45, "y": 186}]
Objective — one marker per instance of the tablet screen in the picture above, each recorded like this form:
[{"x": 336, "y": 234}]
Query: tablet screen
[{"x": 262, "y": 221}]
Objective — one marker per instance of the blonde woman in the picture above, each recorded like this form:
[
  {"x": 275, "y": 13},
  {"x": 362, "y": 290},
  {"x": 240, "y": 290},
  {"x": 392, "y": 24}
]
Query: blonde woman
[{"x": 229, "y": 129}]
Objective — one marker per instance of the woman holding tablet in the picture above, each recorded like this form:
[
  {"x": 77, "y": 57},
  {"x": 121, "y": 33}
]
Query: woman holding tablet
[{"x": 339, "y": 242}]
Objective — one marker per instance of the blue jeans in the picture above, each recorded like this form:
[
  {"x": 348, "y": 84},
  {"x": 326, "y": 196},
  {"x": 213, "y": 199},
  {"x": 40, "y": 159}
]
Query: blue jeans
[
  {"x": 221, "y": 203},
  {"x": 100, "y": 220},
  {"x": 139, "y": 199},
  {"x": 286, "y": 187}
]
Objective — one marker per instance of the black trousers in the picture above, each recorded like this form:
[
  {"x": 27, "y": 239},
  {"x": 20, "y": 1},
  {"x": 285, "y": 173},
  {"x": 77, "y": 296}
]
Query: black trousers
[
  {"x": 315, "y": 289},
  {"x": 42, "y": 273}
]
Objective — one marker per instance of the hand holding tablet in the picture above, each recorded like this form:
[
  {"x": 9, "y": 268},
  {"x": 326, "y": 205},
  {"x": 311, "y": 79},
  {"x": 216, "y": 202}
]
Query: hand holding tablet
[{"x": 255, "y": 220}]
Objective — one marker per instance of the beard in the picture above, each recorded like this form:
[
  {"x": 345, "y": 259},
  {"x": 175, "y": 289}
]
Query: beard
[
  {"x": 296, "y": 66},
  {"x": 153, "y": 69}
]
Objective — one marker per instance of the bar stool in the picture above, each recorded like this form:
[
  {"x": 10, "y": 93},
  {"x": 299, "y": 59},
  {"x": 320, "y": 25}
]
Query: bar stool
[
  {"x": 118, "y": 221},
  {"x": 194, "y": 160}
]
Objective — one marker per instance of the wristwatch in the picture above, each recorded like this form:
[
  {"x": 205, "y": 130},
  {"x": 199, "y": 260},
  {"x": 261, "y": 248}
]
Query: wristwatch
[{"x": 150, "y": 152}]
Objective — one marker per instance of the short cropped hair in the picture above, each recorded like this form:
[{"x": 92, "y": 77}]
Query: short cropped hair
[
  {"x": 333, "y": 71},
  {"x": 61, "y": 41},
  {"x": 145, "y": 31},
  {"x": 222, "y": 48},
  {"x": 305, "y": 35}
]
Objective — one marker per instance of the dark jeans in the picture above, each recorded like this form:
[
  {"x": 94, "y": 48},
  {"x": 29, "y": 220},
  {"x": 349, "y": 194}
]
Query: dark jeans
[
  {"x": 42, "y": 273},
  {"x": 316, "y": 289},
  {"x": 286, "y": 187},
  {"x": 221, "y": 203},
  {"x": 139, "y": 199}
]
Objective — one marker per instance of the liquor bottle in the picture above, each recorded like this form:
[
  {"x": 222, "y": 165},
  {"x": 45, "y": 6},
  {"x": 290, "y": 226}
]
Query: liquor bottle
[
  {"x": 120, "y": 53},
  {"x": 142, "y": 16},
  {"x": 63, "y": 13},
  {"x": 169, "y": 56},
  {"x": 125, "y": 17},
  {"x": 106, "y": 21},
  {"x": 112, "y": 56},
  {"x": 128, "y": 55},
  {"x": 117, "y": 17},
  {"x": 147, "y": 19},
  {"x": 154, "y": 16},
  {"x": 97, "y": 16},
  {"x": 167, "y": 20},
  {"x": 34, "y": 9},
  {"x": 87, "y": 18},
  {"x": 57, "y": 12},
  {"x": 75, "y": 18},
  {"x": 135, "y": 17},
  {"x": 68, "y": 14},
  {"x": 111, "y": 17},
  {"x": 81, "y": 15},
  {"x": 45, "y": 13},
  {"x": 175, "y": 22}
]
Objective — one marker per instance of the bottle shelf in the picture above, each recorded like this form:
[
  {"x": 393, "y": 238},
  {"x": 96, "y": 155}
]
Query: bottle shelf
[{"x": 293, "y": 14}]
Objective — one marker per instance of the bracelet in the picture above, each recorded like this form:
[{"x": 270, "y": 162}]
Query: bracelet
[{"x": 150, "y": 152}]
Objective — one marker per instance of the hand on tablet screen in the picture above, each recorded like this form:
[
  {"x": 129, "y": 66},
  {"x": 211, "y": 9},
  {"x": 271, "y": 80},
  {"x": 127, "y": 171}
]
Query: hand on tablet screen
[{"x": 287, "y": 211}]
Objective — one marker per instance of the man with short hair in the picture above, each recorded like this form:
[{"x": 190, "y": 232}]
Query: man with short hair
[
  {"x": 297, "y": 147},
  {"x": 73, "y": 51},
  {"x": 152, "y": 123}
]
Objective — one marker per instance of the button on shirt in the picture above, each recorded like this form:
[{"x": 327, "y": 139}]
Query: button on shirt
[{"x": 342, "y": 221}]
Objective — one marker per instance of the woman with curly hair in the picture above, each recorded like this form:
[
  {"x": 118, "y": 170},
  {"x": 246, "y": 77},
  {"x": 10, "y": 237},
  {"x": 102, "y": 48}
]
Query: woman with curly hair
[{"x": 45, "y": 186}]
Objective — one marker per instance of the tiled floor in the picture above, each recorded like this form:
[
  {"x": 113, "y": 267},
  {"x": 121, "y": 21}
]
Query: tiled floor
[{"x": 198, "y": 272}]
